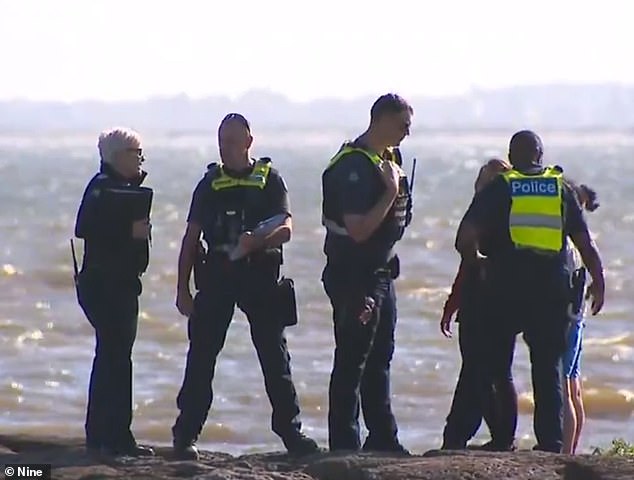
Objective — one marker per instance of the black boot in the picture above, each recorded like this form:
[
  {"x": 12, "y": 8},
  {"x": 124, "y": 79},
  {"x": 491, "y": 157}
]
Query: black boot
[
  {"x": 392, "y": 446},
  {"x": 299, "y": 444},
  {"x": 185, "y": 450}
]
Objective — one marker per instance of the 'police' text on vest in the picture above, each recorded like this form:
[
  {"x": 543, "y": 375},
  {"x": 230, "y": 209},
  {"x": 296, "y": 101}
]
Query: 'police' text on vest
[{"x": 546, "y": 187}]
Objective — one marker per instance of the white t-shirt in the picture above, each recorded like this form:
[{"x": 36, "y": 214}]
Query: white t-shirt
[
  {"x": 574, "y": 262},
  {"x": 573, "y": 257}
]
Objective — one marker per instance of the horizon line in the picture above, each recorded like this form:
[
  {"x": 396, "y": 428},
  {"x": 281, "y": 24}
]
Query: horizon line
[{"x": 343, "y": 99}]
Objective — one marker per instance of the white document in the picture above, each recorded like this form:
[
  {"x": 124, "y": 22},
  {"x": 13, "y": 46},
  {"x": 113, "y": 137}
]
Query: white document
[{"x": 264, "y": 228}]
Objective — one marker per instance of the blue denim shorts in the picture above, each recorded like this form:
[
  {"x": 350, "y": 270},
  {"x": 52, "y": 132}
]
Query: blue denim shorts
[{"x": 572, "y": 357}]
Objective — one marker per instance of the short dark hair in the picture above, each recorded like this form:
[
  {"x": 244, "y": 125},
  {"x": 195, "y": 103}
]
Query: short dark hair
[
  {"x": 526, "y": 143},
  {"x": 238, "y": 117},
  {"x": 524, "y": 146},
  {"x": 389, "y": 103}
]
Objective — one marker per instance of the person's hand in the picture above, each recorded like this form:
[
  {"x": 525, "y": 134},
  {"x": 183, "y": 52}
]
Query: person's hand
[
  {"x": 391, "y": 175},
  {"x": 596, "y": 291},
  {"x": 141, "y": 229},
  {"x": 445, "y": 325},
  {"x": 184, "y": 302},
  {"x": 589, "y": 198},
  {"x": 248, "y": 242},
  {"x": 368, "y": 310}
]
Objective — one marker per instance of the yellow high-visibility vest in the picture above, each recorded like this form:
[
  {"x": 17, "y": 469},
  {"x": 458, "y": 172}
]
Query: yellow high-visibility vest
[
  {"x": 345, "y": 149},
  {"x": 375, "y": 158},
  {"x": 536, "y": 218},
  {"x": 257, "y": 178}
]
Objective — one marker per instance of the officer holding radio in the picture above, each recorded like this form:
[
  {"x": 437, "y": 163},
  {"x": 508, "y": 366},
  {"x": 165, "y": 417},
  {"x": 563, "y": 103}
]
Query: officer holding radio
[{"x": 366, "y": 208}]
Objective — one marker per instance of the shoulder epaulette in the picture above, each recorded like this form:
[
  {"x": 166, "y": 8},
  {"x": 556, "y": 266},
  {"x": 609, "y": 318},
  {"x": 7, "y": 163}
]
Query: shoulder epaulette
[{"x": 212, "y": 169}]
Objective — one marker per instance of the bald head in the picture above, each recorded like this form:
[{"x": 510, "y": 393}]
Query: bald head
[
  {"x": 234, "y": 139},
  {"x": 525, "y": 149}
]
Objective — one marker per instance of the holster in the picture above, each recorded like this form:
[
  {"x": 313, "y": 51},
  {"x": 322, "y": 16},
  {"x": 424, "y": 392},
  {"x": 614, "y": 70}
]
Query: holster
[
  {"x": 377, "y": 284},
  {"x": 200, "y": 262},
  {"x": 286, "y": 302}
]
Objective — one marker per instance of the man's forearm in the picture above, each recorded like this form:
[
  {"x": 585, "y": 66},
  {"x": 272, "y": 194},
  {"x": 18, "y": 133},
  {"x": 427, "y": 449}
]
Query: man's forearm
[
  {"x": 186, "y": 260},
  {"x": 590, "y": 256},
  {"x": 373, "y": 219},
  {"x": 467, "y": 242},
  {"x": 592, "y": 260},
  {"x": 277, "y": 237}
]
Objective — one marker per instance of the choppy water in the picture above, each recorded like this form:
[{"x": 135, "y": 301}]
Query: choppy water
[{"x": 46, "y": 344}]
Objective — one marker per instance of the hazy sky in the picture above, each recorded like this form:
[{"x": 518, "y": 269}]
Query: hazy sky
[{"x": 116, "y": 49}]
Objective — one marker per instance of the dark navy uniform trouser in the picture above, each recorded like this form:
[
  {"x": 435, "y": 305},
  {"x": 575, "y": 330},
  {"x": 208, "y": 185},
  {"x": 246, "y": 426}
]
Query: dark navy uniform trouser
[
  {"x": 543, "y": 323},
  {"x": 485, "y": 386},
  {"x": 545, "y": 334},
  {"x": 251, "y": 290},
  {"x": 360, "y": 378},
  {"x": 537, "y": 304},
  {"x": 111, "y": 304}
]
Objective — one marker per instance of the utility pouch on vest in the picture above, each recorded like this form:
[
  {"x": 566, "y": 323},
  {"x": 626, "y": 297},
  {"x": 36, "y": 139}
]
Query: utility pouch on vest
[
  {"x": 286, "y": 302},
  {"x": 577, "y": 290}
]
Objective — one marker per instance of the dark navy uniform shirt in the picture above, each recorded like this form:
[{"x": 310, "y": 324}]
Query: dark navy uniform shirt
[
  {"x": 520, "y": 270},
  {"x": 490, "y": 210},
  {"x": 273, "y": 201},
  {"x": 354, "y": 182},
  {"x": 109, "y": 245},
  {"x": 352, "y": 187}
]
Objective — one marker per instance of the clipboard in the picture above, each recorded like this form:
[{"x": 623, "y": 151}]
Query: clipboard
[
  {"x": 264, "y": 228},
  {"x": 134, "y": 203}
]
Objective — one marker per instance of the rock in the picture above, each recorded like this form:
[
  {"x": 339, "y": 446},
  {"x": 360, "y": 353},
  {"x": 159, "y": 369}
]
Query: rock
[{"x": 70, "y": 461}]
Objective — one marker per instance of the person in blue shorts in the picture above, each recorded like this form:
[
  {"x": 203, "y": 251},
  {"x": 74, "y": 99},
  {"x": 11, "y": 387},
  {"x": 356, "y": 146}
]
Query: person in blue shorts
[{"x": 574, "y": 414}]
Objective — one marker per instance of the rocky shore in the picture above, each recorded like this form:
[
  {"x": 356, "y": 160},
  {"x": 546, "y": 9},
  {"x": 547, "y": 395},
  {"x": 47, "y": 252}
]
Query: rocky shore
[{"x": 71, "y": 462}]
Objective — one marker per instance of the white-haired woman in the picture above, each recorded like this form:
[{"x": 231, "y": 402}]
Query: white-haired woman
[{"x": 116, "y": 253}]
